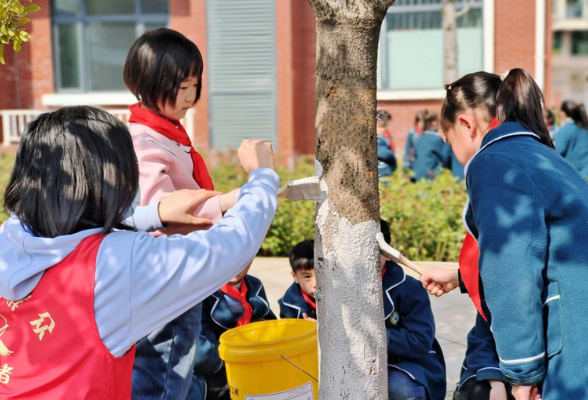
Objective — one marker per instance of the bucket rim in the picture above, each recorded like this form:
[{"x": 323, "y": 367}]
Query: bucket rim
[{"x": 226, "y": 342}]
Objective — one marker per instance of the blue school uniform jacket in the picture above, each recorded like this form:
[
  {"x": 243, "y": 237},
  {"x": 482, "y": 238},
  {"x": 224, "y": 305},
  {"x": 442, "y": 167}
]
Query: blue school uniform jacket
[
  {"x": 386, "y": 158},
  {"x": 412, "y": 138},
  {"x": 293, "y": 305},
  {"x": 430, "y": 155},
  {"x": 572, "y": 144},
  {"x": 529, "y": 210},
  {"x": 453, "y": 163},
  {"x": 481, "y": 360},
  {"x": 410, "y": 331},
  {"x": 217, "y": 318}
]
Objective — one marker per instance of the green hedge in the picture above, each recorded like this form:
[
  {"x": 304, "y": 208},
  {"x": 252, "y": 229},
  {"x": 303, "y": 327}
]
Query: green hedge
[{"x": 425, "y": 217}]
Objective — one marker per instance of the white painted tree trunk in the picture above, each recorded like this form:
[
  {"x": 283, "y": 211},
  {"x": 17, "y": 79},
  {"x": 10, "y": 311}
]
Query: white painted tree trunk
[{"x": 352, "y": 336}]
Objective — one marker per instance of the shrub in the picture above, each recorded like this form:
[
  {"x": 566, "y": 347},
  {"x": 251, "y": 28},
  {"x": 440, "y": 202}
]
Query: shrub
[{"x": 425, "y": 217}]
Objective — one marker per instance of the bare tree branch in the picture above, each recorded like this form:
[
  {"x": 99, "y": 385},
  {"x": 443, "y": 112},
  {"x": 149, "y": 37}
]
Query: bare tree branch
[{"x": 467, "y": 7}]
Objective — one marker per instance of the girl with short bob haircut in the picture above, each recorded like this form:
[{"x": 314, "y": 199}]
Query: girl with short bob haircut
[
  {"x": 572, "y": 137},
  {"x": 164, "y": 71},
  {"x": 527, "y": 211},
  {"x": 79, "y": 288}
]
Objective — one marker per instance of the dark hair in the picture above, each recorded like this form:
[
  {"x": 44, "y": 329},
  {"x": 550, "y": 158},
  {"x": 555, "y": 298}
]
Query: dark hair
[
  {"x": 385, "y": 229},
  {"x": 517, "y": 98},
  {"x": 75, "y": 169},
  {"x": 157, "y": 63},
  {"x": 383, "y": 117},
  {"x": 576, "y": 112},
  {"x": 420, "y": 116},
  {"x": 548, "y": 116},
  {"x": 430, "y": 120},
  {"x": 302, "y": 256}
]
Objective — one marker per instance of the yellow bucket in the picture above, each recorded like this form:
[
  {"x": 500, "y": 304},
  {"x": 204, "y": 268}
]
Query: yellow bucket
[{"x": 272, "y": 360}]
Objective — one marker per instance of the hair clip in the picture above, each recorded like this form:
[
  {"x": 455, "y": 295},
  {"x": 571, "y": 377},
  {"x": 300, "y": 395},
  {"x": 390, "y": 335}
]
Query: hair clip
[{"x": 448, "y": 87}]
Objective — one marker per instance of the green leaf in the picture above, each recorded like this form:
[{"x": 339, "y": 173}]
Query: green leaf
[
  {"x": 23, "y": 21},
  {"x": 32, "y": 8},
  {"x": 3, "y": 30},
  {"x": 2, "y": 54},
  {"x": 16, "y": 45},
  {"x": 25, "y": 37}
]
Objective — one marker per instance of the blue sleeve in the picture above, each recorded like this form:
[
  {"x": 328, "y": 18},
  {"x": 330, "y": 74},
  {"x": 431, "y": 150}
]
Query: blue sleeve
[
  {"x": 287, "y": 312},
  {"x": 207, "y": 359},
  {"x": 145, "y": 218},
  {"x": 143, "y": 282},
  {"x": 563, "y": 140},
  {"x": 385, "y": 153},
  {"x": 414, "y": 338},
  {"x": 509, "y": 212},
  {"x": 270, "y": 315},
  {"x": 481, "y": 355},
  {"x": 408, "y": 148}
]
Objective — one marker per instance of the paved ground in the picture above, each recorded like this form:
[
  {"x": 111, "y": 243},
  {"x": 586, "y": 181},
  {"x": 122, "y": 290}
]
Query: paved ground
[{"x": 454, "y": 313}]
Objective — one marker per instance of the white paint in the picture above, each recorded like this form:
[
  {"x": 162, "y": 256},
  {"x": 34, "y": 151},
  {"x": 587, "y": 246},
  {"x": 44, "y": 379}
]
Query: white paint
[
  {"x": 489, "y": 12},
  {"x": 540, "y": 43},
  {"x": 318, "y": 168},
  {"x": 352, "y": 337},
  {"x": 300, "y": 393}
]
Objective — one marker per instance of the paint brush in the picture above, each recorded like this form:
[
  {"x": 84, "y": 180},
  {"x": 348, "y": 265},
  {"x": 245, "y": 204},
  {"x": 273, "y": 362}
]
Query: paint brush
[
  {"x": 391, "y": 253},
  {"x": 302, "y": 189}
]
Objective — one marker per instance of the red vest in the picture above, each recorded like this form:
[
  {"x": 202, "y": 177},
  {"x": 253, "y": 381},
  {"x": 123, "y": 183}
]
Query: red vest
[{"x": 50, "y": 348}]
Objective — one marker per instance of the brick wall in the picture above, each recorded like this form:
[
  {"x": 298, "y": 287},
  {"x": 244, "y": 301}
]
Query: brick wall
[{"x": 514, "y": 35}]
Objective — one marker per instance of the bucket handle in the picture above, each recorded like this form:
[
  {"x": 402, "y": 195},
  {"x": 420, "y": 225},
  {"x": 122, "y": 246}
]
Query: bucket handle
[{"x": 299, "y": 368}]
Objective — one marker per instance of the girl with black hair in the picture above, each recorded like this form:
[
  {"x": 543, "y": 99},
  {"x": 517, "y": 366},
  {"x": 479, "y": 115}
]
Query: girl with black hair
[
  {"x": 525, "y": 255},
  {"x": 79, "y": 287},
  {"x": 572, "y": 137},
  {"x": 164, "y": 71}
]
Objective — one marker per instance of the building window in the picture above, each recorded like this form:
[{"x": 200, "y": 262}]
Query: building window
[
  {"x": 580, "y": 43},
  {"x": 411, "y": 44},
  {"x": 92, "y": 38},
  {"x": 575, "y": 8},
  {"x": 557, "y": 43}
]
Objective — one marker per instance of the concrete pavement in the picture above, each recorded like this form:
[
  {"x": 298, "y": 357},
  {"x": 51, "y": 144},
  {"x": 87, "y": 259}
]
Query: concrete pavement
[{"x": 454, "y": 313}]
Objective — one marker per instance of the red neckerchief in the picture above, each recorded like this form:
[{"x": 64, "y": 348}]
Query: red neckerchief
[
  {"x": 310, "y": 301},
  {"x": 418, "y": 130},
  {"x": 390, "y": 140},
  {"x": 384, "y": 270},
  {"x": 240, "y": 295},
  {"x": 469, "y": 257},
  {"x": 175, "y": 131}
]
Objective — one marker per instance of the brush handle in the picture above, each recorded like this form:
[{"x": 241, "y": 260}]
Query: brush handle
[{"x": 409, "y": 264}]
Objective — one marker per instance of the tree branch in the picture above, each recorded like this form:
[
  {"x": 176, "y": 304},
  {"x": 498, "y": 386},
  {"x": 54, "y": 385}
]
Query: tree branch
[{"x": 467, "y": 7}]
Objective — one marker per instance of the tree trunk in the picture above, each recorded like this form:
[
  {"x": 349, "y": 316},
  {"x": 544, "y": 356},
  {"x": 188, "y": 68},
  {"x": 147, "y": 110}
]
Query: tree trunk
[
  {"x": 449, "y": 18},
  {"x": 352, "y": 336}
]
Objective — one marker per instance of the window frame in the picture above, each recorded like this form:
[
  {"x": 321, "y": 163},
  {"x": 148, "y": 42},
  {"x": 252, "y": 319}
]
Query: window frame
[
  {"x": 81, "y": 22},
  {"x": 384, "y": 94}
]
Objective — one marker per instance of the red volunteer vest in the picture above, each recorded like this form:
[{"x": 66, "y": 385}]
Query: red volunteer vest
[{"x": 50, "y": 348}]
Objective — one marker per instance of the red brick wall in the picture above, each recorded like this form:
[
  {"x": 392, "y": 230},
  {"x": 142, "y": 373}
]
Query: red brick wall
[
  {"x": 304, "y": 49},
  {"x": 189, "y": 18},
  {"x": 514, "y": 35},
  {"x": 403, "y": 113}
]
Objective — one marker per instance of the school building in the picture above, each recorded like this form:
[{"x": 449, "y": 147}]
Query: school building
[{"x": 260, "y": 59}]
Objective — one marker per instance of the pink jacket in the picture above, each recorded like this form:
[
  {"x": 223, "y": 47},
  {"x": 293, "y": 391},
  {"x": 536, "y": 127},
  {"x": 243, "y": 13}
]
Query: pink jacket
[{"x": 164, "y": 167}]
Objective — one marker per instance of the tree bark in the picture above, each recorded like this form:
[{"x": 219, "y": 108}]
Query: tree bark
[
  {"x": 352, "y": 336},
  {"x": 449, "y": 18}
]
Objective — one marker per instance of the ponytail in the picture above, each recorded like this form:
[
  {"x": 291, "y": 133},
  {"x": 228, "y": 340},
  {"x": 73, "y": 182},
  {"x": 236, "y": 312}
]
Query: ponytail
[
  {"x": 576, "y": 112},
  {"x": 519, "y": 99}
]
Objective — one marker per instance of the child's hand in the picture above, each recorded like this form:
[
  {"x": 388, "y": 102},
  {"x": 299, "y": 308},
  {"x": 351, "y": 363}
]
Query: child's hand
[
  {"x": 307, "y": 318},
  {"x": 439, "y": 281},
  {"x": 526, "y": 392},
  {"x": 228, "y": 200},
  {"x": 255, "y": 154},
  {"x": 178, "y": 207},
  {"x": 497, "y": 391}
]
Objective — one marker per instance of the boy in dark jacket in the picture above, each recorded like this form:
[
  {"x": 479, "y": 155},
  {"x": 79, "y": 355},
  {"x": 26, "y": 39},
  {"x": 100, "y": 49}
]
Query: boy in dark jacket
[
  {"x": 239, "y": 302},
  {"x": 386, "y": 157},
  {"x": 298, "y": 301}
]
